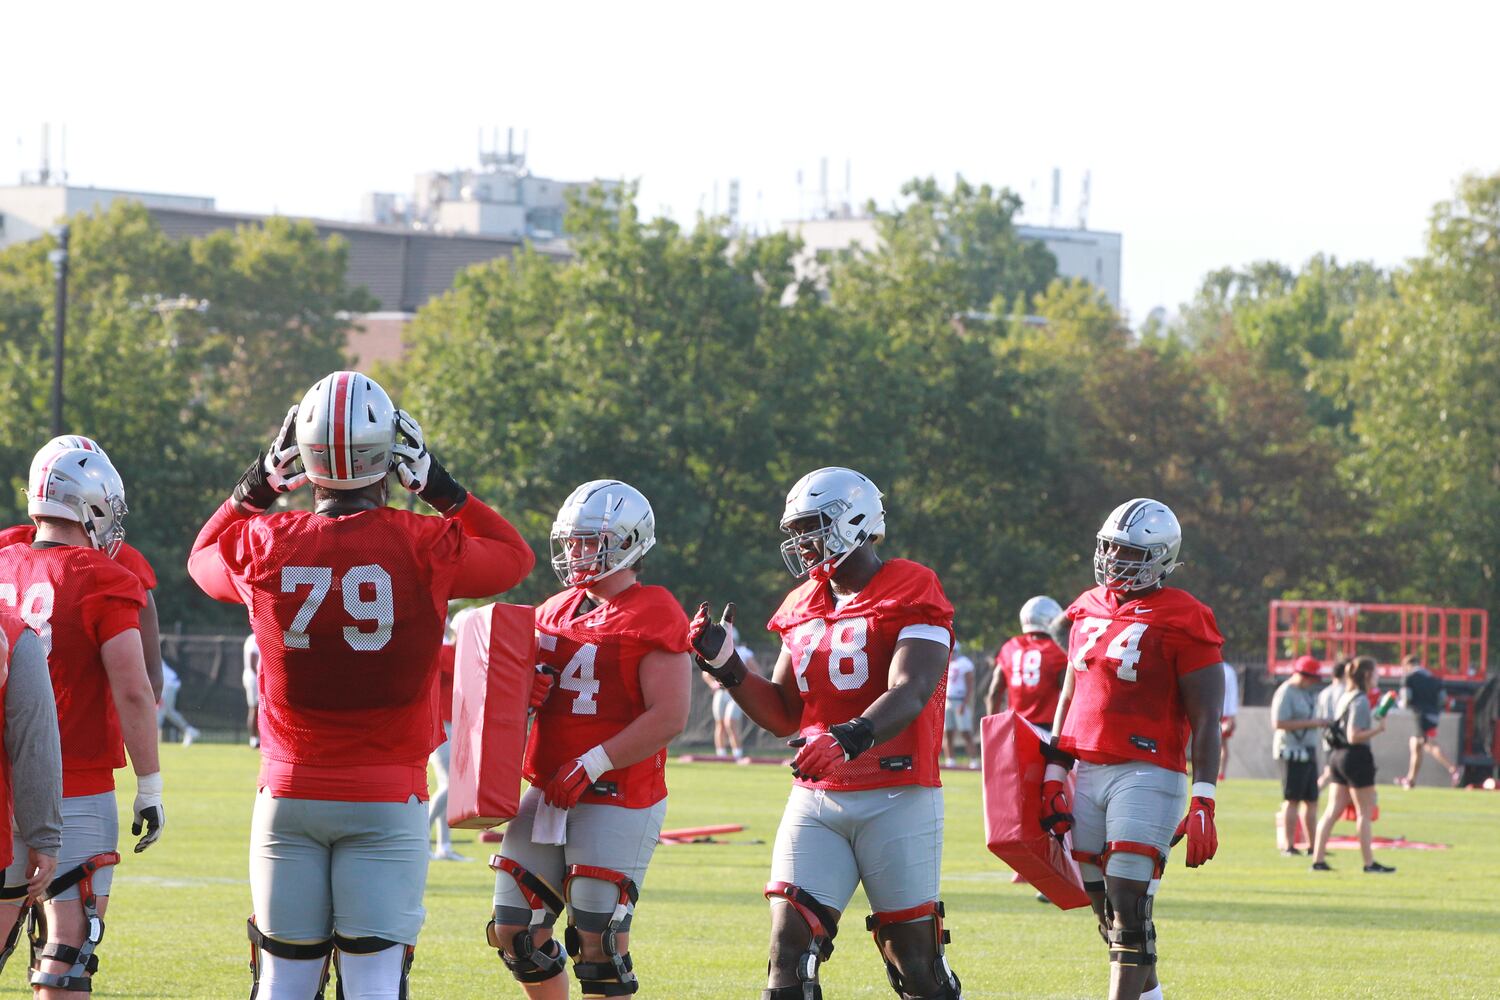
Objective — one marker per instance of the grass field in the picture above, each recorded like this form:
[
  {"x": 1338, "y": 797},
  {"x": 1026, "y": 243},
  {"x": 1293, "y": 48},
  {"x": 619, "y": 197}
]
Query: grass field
[{"x": 1250, "y": 924}]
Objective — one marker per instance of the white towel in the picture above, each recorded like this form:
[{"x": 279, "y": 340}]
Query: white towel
[{"x": 550, "y": 825}]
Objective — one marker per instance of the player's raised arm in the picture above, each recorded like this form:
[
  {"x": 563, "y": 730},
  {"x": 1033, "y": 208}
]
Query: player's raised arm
[
  {"x": 496, "y": 557},
  {"x": 773, "y": 704}
]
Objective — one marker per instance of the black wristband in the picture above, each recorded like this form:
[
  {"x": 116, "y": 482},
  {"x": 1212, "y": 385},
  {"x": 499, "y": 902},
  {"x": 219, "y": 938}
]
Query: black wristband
[
  {"x": 731, "y": 674},
  {"x": 442, "y": 492},
  {"x": 1052, "y": 755},
  {"x": 855, "y": 736},
  {"x": 253, "y": 491}
]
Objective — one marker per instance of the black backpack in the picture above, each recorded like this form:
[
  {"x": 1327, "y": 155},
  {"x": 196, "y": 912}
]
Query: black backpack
[{"x": 1335, "y": 737}]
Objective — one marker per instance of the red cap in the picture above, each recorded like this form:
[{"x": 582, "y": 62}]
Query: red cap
[{"x": 1308, "y": 665}]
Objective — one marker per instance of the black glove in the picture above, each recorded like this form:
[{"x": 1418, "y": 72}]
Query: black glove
[
  {"x": 254, "y": 491},
  {"x": 713, "y": 646}
]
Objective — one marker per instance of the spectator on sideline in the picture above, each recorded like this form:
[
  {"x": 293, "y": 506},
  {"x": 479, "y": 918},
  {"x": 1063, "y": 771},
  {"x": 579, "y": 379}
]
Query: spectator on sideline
[
  {"x": 1327, "y": 701},
  {"x": 1294, "y": 715},
  {"x": 1226, "y": 716},
  {"x": 1352, "y": 763},
  {"x": 1422, "y": 692},
  {"x": 250, "y": 678},
  {"x": 166, "y": 709},
  {"x": 958, "y": 712}
]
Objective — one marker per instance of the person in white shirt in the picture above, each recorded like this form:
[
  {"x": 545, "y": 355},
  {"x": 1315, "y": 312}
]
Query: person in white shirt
[
  {"x": 958, "y": 713},
  {"x": 166, "y": 709},
  {"x": 250, "y": 678},
  {"x": 1226, "y": 716}
]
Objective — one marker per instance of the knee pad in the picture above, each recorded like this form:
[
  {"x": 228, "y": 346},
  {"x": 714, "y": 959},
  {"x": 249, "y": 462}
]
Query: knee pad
[
  {"x": 949, "y": 987},
  {"x": 260, "y": 946},
  {"x": 1134, "y": 945},
  {"x": 615, "y": 976},
  {"x": 532, "y": 963},
  {"x": 822, "y": 924},
  {"x": 82, "y": 960},
  {"x": 354, "y": 951}
]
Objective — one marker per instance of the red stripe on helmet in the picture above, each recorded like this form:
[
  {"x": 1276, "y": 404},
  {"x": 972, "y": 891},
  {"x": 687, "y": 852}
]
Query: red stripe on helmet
[{"x": 340, "y": 437}]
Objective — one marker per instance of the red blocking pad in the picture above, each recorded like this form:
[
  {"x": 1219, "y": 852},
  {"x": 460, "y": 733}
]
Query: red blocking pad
[
  {"x": 494, "y": 660},
  {"x": 1013, "y": 766}
]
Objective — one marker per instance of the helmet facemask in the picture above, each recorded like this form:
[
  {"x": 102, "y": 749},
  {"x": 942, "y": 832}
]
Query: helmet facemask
[
  {"x": 821, "y": 537},
  {"x": 583, "y": 558},
  {"x": 1124, "y": 568},
  {"x": 106, "y": 528}
]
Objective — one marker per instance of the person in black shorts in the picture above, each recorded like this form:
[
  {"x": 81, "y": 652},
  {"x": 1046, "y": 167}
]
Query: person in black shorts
[
  {"x": 1422, "y": 692},
  {"x": 1294, "y": 714},
  {"x": 1352, "y": 764}
]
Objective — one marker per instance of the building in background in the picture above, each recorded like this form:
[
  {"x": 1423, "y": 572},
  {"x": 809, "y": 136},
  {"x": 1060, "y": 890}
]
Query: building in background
[
  {"x": 1081, "y": 253},
  {"x": 501, "y": 198}
]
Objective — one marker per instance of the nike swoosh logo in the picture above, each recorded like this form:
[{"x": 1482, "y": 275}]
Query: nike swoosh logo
[
  {"x": 1142, "y": 611},
  {"x": 892, "y": 795}
]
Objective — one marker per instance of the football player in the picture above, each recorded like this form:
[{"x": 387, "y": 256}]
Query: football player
[
  {"x": 31, "y": 773},
  {"x": 595, "y": 759},
  {"x": 347, "y": 602},
  {"x": 125, "y": 554},
  {"x": 1144, "y": 690},
  {"x": 1029, "y": 668},
  {"x": 859, "y": 682},
  {"x": 87, "y": 610}
]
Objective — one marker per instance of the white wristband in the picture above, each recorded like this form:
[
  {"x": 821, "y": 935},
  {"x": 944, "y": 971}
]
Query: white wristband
[
  {"x": 596, "y": 762},
  {"x": 1055, "y": 772},
  {"x": 725, "y": 651},
  {"x": 1203, "y": 790},
  {"x": 148, "y": 788}
]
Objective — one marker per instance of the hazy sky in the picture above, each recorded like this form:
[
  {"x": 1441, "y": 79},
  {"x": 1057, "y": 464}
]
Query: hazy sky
[{"x": 1215, "y": 133}]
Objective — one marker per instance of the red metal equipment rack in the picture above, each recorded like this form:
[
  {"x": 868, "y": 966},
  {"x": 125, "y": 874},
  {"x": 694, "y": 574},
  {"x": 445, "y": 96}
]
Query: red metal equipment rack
[{"x": 1451, "y": 642}]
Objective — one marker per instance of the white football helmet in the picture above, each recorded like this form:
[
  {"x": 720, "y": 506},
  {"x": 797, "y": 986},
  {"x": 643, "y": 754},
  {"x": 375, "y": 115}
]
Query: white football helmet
[
  {"x": 1038, "y": 614},
  {"x": 603, "y": 527},
  {"x": 346, "y": 426},
  {"x": 81, "y": 486},
  {"x": 849, "y": 514},
  {"x": 68, "y": 442},
  {"x": 1137, "y": 547}
]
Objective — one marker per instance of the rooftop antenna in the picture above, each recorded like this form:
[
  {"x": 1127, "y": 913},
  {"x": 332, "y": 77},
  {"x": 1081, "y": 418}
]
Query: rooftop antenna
[
  {"x": 734, "y": 201},
  {"x": 1083, "y": 203},
  {"x": 1056, "y": 196},
  {"x": 46, "y": 175},
  {"x": 823, "y": 186}
]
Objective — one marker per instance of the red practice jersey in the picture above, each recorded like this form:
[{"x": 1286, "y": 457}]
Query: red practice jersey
[
  {"x": 127, "y": 555},
  {"x": 445, "y": 683},
  {"x": 598, "y": 690},
  {"x": 76, "y": 599},
  {"x": 1032, "y": 668},
  {"x": 348, "y": 613},
  {"x": 842, "y": 660},
  {"x": 1127, "y": 656}
]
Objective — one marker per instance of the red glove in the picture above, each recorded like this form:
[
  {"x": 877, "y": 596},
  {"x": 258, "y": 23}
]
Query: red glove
[
  {"x": 541, "y": 685},
  {"x": 1057, "y": 808},
  {"x": 1198, "y": 827},
  {"x": 822, "y": 752},
  {"x": 575, "y": 777}
]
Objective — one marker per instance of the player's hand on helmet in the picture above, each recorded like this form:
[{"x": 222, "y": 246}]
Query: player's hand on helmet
[
  {"x": 820, "y": 753},
  {"x": 275, "y": 471},
  {"x": 1198, "y": 827},
  {"x": 575, "y": 777},
  {"x": 150, "y": 815},
  {"x": 541, "y": 685},
  {"x": 713, "y": 646},
  {"x": 419, "y": 471}
]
